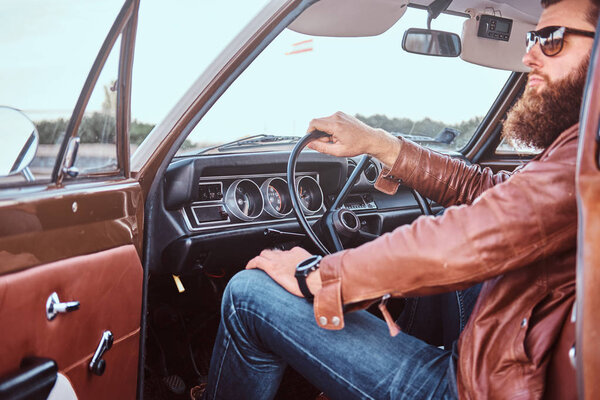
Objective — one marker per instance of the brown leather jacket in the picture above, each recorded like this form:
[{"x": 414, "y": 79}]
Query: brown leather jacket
[{"x": 515, "y": 231}]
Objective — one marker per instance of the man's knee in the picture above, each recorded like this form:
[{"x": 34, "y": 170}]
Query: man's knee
[{"x": 243, "y": 288}]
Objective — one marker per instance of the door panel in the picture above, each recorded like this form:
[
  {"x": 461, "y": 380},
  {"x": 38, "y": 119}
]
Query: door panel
[
  {"x": 123, "y": 365},
  {"x": 108, "y": 285},
  {"x": 588, "y": 251},
  {"x": 79, "y": 236},
  {"x": 60, "y": 223}
]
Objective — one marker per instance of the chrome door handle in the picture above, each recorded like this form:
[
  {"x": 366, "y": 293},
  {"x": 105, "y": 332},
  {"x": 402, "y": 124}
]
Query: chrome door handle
[
  {"x": 98, "y": 365},
  {"x": 54, "y": 306}
]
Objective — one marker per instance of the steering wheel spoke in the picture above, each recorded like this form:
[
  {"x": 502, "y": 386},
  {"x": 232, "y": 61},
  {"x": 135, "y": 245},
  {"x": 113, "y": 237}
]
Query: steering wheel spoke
[
  {"x": 339, "y": 222},
  {"x": 333, "y": 235}
]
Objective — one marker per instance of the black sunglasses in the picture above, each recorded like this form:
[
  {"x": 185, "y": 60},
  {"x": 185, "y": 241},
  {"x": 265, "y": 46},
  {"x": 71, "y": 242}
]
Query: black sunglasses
[{"x": 551, "y": 38}]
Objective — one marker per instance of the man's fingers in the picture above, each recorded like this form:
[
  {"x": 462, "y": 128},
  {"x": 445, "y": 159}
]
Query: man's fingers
[
  {"x": 320, "y": 146},
  {"x": 334, "y": 149},
  {"x": 259, "y": 262},
  {"x": 324, "y": 139},
  {"x": 322, "y": 124},
  {"x": 252, "y": 264}
]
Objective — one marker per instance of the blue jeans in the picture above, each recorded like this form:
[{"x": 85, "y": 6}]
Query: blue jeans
[
  {"x": 439, "y": 319},
  {"x": 264, "y": 328}
]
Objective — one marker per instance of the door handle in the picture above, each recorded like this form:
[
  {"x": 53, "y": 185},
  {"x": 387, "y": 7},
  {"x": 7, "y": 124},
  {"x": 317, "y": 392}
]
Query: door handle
[
  {"x": 98, "y": 365},
  {"x": 54, "y": 306}
]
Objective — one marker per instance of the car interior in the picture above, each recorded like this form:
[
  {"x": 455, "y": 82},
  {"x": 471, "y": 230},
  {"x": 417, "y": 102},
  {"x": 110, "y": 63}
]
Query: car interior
[
  {"x": 159, "y": 216},
  {"x": 218, "y": 206}
]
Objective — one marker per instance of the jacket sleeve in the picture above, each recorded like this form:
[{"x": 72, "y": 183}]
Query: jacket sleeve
[
  {"x": 446, "y": 180},
  {"x": 526, "y": 218}
]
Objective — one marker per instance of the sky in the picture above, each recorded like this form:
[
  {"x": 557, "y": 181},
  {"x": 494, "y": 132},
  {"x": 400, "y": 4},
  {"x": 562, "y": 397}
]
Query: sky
[
  {"x": 49, "y": 47},
  {"x": 15, "y": 131}
]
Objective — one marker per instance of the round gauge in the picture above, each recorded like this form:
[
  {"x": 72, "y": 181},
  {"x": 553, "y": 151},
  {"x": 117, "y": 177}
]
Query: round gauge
[
  {"x": 277, "y": 198},
  {"x": 310, "y": 194},
  {"x": 274, "y": 198},
  {"x": 244, "y": 200}
]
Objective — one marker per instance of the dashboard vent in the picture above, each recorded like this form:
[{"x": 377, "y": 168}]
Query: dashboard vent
[
  {"x": 371, "y": 172},
  {"x": 351, "y": 167}
]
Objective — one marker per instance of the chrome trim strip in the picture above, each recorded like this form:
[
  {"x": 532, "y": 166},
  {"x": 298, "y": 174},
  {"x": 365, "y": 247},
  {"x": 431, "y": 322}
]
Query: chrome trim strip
[
  {"x": 219, "y": 224},
  {"x": 210, "y": 205},
  {"x": 236, "y": 177}
]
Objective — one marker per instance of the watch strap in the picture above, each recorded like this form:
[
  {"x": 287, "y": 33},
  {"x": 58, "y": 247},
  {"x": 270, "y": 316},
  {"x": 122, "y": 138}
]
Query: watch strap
[
  {"x": 304, "y": 288},
  {"x": 303, "y": 269}
]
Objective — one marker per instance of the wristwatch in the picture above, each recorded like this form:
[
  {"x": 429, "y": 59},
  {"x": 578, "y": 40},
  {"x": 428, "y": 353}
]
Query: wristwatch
[{"x": 302, "y": 270}]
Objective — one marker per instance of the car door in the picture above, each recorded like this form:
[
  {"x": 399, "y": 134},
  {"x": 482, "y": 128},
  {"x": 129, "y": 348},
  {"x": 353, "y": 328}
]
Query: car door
[
  {"x": 70, "y": 271},
  {"x": 588, "y": 253}
]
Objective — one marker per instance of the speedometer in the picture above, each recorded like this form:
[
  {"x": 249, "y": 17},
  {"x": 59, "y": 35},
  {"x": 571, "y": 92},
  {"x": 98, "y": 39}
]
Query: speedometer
[
  {"x": 244, "y": 200},
  {"x": 277, "y": 197},
  {"x": 274, "y": 198}
]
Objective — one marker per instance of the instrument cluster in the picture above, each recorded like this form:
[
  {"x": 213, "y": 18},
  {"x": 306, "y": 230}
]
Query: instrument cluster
[{"x": 231, "y": 200}]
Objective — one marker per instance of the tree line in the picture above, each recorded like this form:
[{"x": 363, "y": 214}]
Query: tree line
[
  {"x": 424, "y": 127},
  {"x": 95, "y": 128},
  {"x": 100, "y": 127}
]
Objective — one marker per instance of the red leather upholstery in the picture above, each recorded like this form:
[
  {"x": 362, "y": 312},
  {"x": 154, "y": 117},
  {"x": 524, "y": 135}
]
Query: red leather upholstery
[{"x": 108, "y": 285}]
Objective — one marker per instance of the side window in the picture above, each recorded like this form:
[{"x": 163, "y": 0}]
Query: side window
[
  {"x": 97, "y": 132},
  {"x": 507, "y": 149},
  {"x": 46, "y": 57}
]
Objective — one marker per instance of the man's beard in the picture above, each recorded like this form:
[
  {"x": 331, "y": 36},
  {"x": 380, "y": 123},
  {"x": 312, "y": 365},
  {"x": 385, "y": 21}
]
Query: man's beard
[{"x": 540, "y": 116}]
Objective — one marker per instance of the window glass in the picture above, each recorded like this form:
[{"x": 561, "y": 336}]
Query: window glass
[
  {"x": 97, "y": 132},
  {"x": 435, "y": 101},
  {"x": 175, "y": 42},
  {"x": 47, "y": 51},
  {"x": 506, "y": 148}
]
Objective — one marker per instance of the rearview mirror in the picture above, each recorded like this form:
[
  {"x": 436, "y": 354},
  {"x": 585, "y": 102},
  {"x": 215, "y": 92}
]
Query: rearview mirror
[
  {"x": 19, "y": 142},
  {"x": 431, "y": 43}
]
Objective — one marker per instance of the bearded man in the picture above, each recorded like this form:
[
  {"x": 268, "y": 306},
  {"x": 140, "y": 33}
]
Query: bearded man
[{"x": 515, "y": 232}]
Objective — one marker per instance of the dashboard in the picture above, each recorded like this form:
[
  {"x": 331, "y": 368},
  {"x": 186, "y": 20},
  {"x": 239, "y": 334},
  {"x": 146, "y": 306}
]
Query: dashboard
[{"x": 218, "y": 211}]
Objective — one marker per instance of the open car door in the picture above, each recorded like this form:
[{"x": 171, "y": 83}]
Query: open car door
[
  {"x": 70, "y": 272},
  {"x": 587, "y": 352}
]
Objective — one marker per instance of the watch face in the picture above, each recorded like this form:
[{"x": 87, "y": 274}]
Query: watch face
[{"x": 308, "y": 264}]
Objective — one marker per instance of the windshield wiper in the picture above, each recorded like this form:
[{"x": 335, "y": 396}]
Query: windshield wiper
[{"x": 251, "y": 141}]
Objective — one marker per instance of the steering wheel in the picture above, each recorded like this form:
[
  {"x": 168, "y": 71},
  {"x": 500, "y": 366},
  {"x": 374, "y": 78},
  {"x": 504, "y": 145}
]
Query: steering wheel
[{"x": 338, "y": 221}]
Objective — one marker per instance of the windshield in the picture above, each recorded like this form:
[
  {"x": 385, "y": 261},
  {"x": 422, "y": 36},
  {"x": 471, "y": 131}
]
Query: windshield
[{"x": 436, "y": 101}]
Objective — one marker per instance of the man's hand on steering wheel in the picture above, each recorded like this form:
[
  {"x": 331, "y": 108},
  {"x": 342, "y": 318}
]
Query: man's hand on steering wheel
[
  {"x": 339, "y": 135},
  {"x": 351, "y": 137}
]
